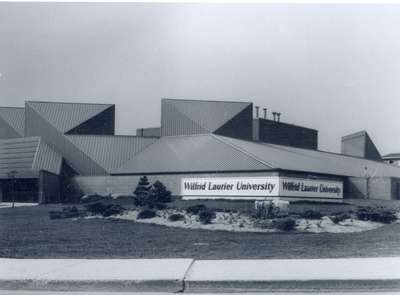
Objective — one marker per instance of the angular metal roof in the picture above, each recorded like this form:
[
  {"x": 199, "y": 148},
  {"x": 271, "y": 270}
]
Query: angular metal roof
[
  {"x": 27, "y": 156},
  {"x": 297, "y": 159},
  {"x": 66, "y": 116},
  {"x": 185, "y": 117},
  {"x": 206, "y": 153},
  {"x": 15, "y": 117},
  {"x": 196, "y": 153},
  {"x": 110, "y": 151}
]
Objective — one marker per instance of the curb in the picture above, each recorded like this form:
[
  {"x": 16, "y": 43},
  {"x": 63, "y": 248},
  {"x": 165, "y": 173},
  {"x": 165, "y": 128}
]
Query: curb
[{"x": 201, "y": 276}]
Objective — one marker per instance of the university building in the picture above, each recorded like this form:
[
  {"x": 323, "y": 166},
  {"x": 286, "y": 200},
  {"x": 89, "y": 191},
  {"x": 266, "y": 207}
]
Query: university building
[{"x": 55, "y": 152}]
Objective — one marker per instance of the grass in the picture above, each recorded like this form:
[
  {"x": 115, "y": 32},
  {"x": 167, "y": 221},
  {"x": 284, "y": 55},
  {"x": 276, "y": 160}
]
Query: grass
[{"x": 27, "y": 232}]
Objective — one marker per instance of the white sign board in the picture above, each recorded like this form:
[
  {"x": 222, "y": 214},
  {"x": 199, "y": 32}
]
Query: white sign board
[
  {"x": 263, "y": 186},
  {"x": 230, "y": 186},
  {"x": 295, "y": 187}
]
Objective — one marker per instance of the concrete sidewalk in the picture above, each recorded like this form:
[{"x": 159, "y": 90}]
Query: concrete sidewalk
[{"x": 187, "y": 275}]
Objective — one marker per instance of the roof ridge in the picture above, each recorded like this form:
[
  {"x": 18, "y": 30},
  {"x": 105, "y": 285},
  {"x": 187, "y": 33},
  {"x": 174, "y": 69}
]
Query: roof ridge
[
  {"x": 63, "y": 102},
  {"x": 202, "y": 100},
  {"x": 7, "y": 107},
  {"x": 218, "y": 137}
]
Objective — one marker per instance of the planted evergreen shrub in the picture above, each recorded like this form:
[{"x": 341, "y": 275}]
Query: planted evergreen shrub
[
  {"x": 376, "y": 215},
  {"x": 311, "y": 214},
  {"x": 340, "y": 217},
  {"x": 284, "y": 224},
  {"x": 206, "y": 216},
  {"x": 176, "y": 217},
  {"x": 142, "y": 192},
  {"x": 146, "y": 214},
  {"x": 159, "y": 193}
]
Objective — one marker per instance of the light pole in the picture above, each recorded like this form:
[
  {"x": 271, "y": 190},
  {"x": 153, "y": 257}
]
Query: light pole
[{"x": 12, "y": 175}]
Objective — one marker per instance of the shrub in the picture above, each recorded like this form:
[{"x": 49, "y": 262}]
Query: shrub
[
  {"x": 142, "y": 192},
  {"x": 113, "y": 210},
  {"x": 176, "y": 217},
  {"x": 97, "y": 208},
  {"x": 146, "y": 214},
  {"x": 376, "y": 215},
  {"x": 311, "y": 214},
  {"x": 195, "y": 209},
  {"x": 284, "y": 224},
  {"x": 159, "y": 193},
  {"x": 206, "y": 216},
  {"x": 340, "y": 217},
  {"x": 103, "y": 209}
]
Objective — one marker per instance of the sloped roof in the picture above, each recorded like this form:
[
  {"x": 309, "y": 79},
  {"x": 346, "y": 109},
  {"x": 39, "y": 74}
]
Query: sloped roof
[
  {"x": 190, "y": 154},
  {"x": 66, "y": 116},
  {"x": 27, "y": 156},
  {"x": 297, "y": 159},
  {"x": 206, "y": 153},
  {"x": 391, "y": 156},
  {"x": 110, "y": 151},
  {"x": 15, "y": 117},
  {"x": 185, "y": 117}
]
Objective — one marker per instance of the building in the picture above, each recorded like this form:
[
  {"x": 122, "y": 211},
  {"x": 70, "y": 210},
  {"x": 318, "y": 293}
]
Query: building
[
  {"x": 393, "y": 159},
  {"x": 202, "y": 149}
]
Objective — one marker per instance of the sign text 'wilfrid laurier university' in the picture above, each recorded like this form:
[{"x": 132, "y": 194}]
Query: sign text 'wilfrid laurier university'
[{"x": 268, "y": 186}]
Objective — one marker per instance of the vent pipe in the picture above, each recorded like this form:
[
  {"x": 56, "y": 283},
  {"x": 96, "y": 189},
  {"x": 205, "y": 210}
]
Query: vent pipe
[
  {"x": 274, "y": 114},
  {"x": 265, "y": 113},
  {"x": 278, "y": 116},
  {"x": 257, "y": 109}
]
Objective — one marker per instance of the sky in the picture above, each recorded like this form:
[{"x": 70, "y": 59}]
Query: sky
[{"x": 335, "y": 68}]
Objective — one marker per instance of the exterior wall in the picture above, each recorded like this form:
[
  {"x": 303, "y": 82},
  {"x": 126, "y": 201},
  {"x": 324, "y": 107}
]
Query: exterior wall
[
  {"x": 126, "y": 184},
  {"x": 101, "y": 124},
  {"x": 149, "y": 132},
  {"x": 49, "y": 188},
  {"x": 380, "y": 188},
  {"x": 360, "y": 145},
  {"x": 284, "y": 134},
  {"x": 37, "y": 126},
  {"x": 395, "y": 188},
  {"x": 6, "y": 131},
  {"x": 356, "y": 188},
  {"x": 240, "y": 126},
  {"x": 375, "y": 188}
]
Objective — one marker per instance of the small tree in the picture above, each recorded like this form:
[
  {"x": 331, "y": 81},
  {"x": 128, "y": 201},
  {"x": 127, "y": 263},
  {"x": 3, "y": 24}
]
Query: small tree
[
  {"x": 159, "y": 193},
  {"x": 142, "y": 192}
]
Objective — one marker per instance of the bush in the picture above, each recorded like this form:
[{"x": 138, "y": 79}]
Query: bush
[
  {"x": 146, "y": 214},
  {"x": 142, "y": 192},
  {"x": 340, "y": 217},
  {"x": 311, "y": 214},
  {"x": 103, "y": 209},
  {"x": 376, "y": 215},
  {"x": 206, "y": 216},
  {"x": 176, "y": 217},
  {"x": 159, "y": 193},
  {"x": 284, "y": 224},
  {"x": 97, "y": 208},
  {"x": 67, "y": 212},
  {"x": 195, "y": 209},
  {"x": 113, "y": 210}
]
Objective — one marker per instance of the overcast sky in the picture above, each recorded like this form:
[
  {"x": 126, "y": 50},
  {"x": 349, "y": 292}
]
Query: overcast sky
[{"x": 332, "y": 68}]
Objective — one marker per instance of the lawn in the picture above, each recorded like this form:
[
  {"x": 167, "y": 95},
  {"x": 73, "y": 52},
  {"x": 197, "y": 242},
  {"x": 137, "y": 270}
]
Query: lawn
[{"x": 28, "y": 232}]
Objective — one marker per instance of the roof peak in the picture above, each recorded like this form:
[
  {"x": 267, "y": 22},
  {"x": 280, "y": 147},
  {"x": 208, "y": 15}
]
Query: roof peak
[
  {"x": 62, "y": 102},
  {"x": 206, "y": 100}
]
